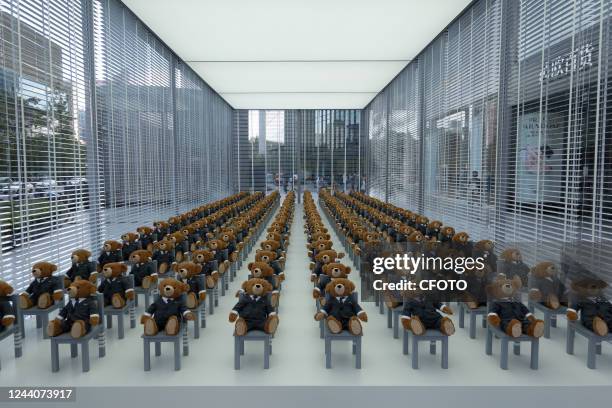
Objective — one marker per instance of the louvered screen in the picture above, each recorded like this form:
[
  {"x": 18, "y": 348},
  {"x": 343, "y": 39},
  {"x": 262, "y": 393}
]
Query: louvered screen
[{"x": 377, "y": 135}]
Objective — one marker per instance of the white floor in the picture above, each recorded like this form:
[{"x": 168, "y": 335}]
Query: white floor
[{"x": 298, "y": 357}]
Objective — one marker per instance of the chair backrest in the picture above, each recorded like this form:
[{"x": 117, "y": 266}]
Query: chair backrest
[
  {"x": 201, "y": 280},
  {"x": 129, "y": 280},
  {"x": 100, "y": 304}
]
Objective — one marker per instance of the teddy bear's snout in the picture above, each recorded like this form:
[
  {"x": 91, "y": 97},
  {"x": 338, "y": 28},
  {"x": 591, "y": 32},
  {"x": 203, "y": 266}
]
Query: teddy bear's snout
[
  {"x": 107, "y": 272},
  {"x": 168, "y": 290}
]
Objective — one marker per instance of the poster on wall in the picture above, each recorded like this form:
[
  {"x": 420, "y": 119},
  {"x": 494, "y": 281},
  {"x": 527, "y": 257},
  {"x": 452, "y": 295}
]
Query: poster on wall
[{"x": 539, "y": 168}]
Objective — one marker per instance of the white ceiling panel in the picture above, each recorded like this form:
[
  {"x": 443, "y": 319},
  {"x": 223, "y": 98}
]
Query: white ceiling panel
[{"x": 273, "y": 50}]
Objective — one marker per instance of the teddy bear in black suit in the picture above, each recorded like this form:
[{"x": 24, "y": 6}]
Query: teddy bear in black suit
[
  {"x": 254, "y": 310},
  {"x": 341, "y": 310}
]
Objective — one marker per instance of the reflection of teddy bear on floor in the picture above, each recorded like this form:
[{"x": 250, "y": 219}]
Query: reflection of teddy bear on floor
[
  {"x": 342, "y": 311},
  {"x": 590, "y": 303},
  {"x": 79, "y": 314},
  {"x": 254, "y": 310},
  {"x": 508, "y": 313},
  {"x": 168, "y": 310},
  {"x": 44, "y": 290}
]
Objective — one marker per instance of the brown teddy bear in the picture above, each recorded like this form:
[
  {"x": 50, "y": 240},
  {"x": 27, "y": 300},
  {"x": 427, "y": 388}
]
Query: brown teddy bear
[
  {"x": 168, "y": 311},
  {"x": 421, "y": 313},
  {"x": 79, "y": 314},
  {"x": 206, "y": 258},
  {"x": 177, "y": 238},
  {"x": 130, "y": 244},
  {"x": 512, "y": 265},
  {"x": 262, "y": 270},
  {"x": 342, "y": 311},
  {"x": 462, "y": 244},
  {"x": 477, "y": 279},
  {"x": 114, "y": 288},
  {"x": 142, "y": 268},
  {"x": 44, "y": 290},
  {"x": 111, "y": 252},
  {"x": 145, "y": 237},
  {"x": 508, "y": 313},
  {"x": 546, "y": 286},
  {"x": 317, "y": 246},
  {"x": 269, "y": 257},
  {"x": 81, "y": 268},
  {"x": 331, "y": 271},
  {"x": 590, "y": 303},
  {"x": 7, "y": 310},
  {"x": 322, "y": 258},
  {"x": 433, "y": 229},
  {"x": 484, "y": 249},
  {"x": 217, "y": 246},
  {"x": 164, "y": 255},
  {"x": 187, "y": 272},
  {"x": 254, "y": 311}
]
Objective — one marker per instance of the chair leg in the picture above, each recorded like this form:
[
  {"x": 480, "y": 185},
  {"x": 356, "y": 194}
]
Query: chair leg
[
  {"x": 157, "y": 349},
  {"x": 473, "y": 325},
  {"x": 415, "y": 352},
  {"x": 146, "y": 346},
  {"x": 395, "y": 325},
  {"x": 489, "y": 344},
  {"x": 535, "y": 353},
  {"x": 358, "y": 352},
  {"x": 54, "y": 356},
  {"x": 196, "y": 325},
  {"x": 503, "y": 362},
  {"x": 461, "y": 316},
  {"x": 517, "y": 348},
  {"x": 236, "y": 353},
  {"x": 389, "y": 318},
  {"x": 569, "y": 346},
  {"x": 405, "y": 342},
  {"x": 45, "y": 322},
  {"x": 266, "y": 352},
  {"x": 327, "y": 352},
  {"x": 132, "y": 312},
  {"x": 445, "y": 352},
  {"x": 211, "y": 301},
  {"x": 432, "y": 347},
  {"x": 553, "y": 321},
  {"x": 120, "y": 326},
  {"x": 109, "y": 321},
  {"x": 177, "y": 355},
  {"x": 74, "y": 351},
  {"x": 547, "y": 325},
  {"x": 85, "y": 356},
  {"x": 591, "y": 353}
]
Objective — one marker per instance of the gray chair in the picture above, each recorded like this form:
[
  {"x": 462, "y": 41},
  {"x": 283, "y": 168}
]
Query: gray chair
[
  {"x": 594, "y": 341},
  {"x": 254, "y": 335},
  {"x": 549, "y": 315},
  {"x": 473, "y": 314},
  {"x": 139, "y": 290},
  {"x": 344, "y": 335},
  {"x": 393, "y": 317},
  {"x": 15, "y": 329},
  {"x": 110, "y": 311},
  {"x": 162, "y": 337},
  {"x": 42, "y": 315},
  {"x": 505, "y": 340},
  {"x": 432, "y": 336},
  {"x": 199, "y": 312},
  {"x": 96, "y": 332}
]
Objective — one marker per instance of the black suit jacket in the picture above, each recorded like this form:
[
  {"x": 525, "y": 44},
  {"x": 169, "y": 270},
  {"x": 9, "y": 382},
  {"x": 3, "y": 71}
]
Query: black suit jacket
[
  {"x": 341, "y": 308},
  {"x": 43, "y": 285},
  {"x": 162, "y": 310},
  {"x": 79, "y": 310},
  {"x": 109, "y": 287},
  {"x": 6, "y": 309},
  {"x": 253, "y": 308},
  {"x": 108, "y": 257},
  {"x": 83, "y": 270},
  {"x": 509, "y": 309},
  {"x": 140, "y": 271}
]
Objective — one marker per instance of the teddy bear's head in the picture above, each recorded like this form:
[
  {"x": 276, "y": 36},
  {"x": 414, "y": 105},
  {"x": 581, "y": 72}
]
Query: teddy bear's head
[
  {"x": 340, "y": 287},
  {"x": 114, "y": 269},
  {"x": 129, "y": 237},
  {"x": 422, "y": 220},
  {"x": 321, "y": 236},
  {"x": 415, "y": 236},
  {"x": 202, "y": 256},
  {"x": 461, "y": 238},
  {"x": 174, "y": 220},
  {"x": 502, "y": 287},
  {"x": 160, "y": 225},
  {"x": 406, "y": 230},
  {"x": 512, "y": 255},
  {"x": 327, "y": 256},
  {"x": 588, "y": 285},
  {"x": 273, "y": 236},
  {"x": 545, "y": 269},
  {"x": 262, "y": 255},
  {"x": 176, "y": 237},
  {"x": 144, "y": 230},
  {"x": 270, "y": 245},
  {"x": 187, "y": 269},
  {"x": 434, "y": 226},
  {"x": 485, "y": 245},
  {"x": 216, "y": 245},
  {"x": 322, "y": 245},
  {"x": 172, "y": 288},
  {"x": 164, "y": 245},
  {"x": 43, "y": 269},
  {"x": 140, "y": 256},
  {"x": 228, "y": 236},
  {"x": 5, "y": 289},
  {"x": 257, "y": 287},
  {"x": 260, "y": 269},
  {"x": 370, "y": 236},
  {"x": 111, "y": 245},
  {"x": 81, "y": 288},
  {"x": 447, "y": 232},
  {"x": 188, "y": 230},
  {"x": 80, "y": 256},
  {"x": 336, "y": 270},
  {"x": 480, "y": 273}
]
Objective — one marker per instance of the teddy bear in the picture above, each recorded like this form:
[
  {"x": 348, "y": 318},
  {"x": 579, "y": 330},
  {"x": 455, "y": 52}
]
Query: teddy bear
[
  {"x": 508, "y": 313},
  {"x": 547, "y": 287},
  {"x": 433, "y": 229},
  {"x": 446, "y": 235},
  {"x": 130, "y": 244},
  {"x": 217, "y": 246},
  {"x": 273, "y": 246},
  {"x": 145, "y": 237},
  {"x": 422, "y": 312},
  {"x": 254, "y": 311},
  {"x": 512, "y": 265},
  {"x": 111, "y": 252},
  {"x": 317, "y": 246},
  {"x": 477, "y": 279},
  {"x": 81, "y": 268},
  {"x": 331, "y": 271},
  {"x": 231, "y": 245},
  {"x": 421, "y": 224},
  {"x": 275, "y": 236},
  {"x": 484, "y": 249},
  {"x": 7, "y": 310},
  {"x": 44, "y": 290},
  {"x": 114, "y": 287},
  {"x": 269, "y": 257},
  {"x": 590, "y": 304},
  {"x": 177, "y": 238},
  {"x": 341, "y": 311},
  {"x": 164, "y": 255},
  {"x": 187, "y": 273},
  {"x": 462, "y": 244},
  {"x": 322, "y": 258},
  {"x": 142, "y": 268},
  {"x": 206, "y": 258},
  {"x": 168, "y": 311},
  {"x": 79, "y": 314},
  {"x": 160, "y": 230}
]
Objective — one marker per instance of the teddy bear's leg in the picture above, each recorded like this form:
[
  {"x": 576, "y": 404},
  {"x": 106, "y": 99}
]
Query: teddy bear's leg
[
  {"x": 172, "y": 326},
  {"x": 334, "y": 325},
  {"x": 241, "y": 327},
  {"x": 513, "y": 328},
  {"x": 271, "y": 324},
  {"x": 67, "y": 281},
  {"x": 534, "y": 328},
  {"x": 600, "y": 327},
  {"x": 149, "y": 247},
  {"x": 117, "y": 301},
  {"x": 446, "y": 326},
  {"x": 54, "y": 328},
  {"x": 44, "y": 301},
  {"x": 25, "y": 302},
  {"x": 552, "y": 301},
  {"x": 416, "y": 326},
  {"x": 354, "y": 326},
  {"x": 192, "y": 300},
  {"x": 163, "y": 267},
  {"x": 78, "y": 329},
  {"x": 210, "y": 281},
  {"x": 150, "y": 327},
  {"x": 179, "y": 256},
  {"x": 274, "y": 298},
  {"x": 147, "y": 281}
]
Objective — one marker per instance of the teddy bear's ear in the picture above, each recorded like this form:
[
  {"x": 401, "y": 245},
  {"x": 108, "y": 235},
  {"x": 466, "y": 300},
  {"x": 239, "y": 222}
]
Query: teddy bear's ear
[
  {"x": 53, "y": 268},
  {"x": 250, "y": 265},
  {"x": 257, "y": 251},
  {"x": 175, "y": 266},
  {"x": 347, "y": 269},
  {"x": 351, "y": 285},
  {"x": 123, "y": 267},
  {"x": 267, "y": 286},
  {"x": 244, "y": 285}
]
